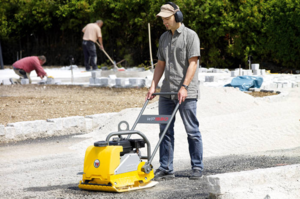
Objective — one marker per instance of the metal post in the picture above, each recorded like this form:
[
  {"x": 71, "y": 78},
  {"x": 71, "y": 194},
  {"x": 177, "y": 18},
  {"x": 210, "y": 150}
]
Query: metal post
[
  {"x": 150, "y": 49},
  {"x": 249, "y": 65},
  {"x": 1, "y": 58},
  {"x": 72, "y": 78},
  {"x": 71, "y": 65},
  {"x": 249, "y": 61}
]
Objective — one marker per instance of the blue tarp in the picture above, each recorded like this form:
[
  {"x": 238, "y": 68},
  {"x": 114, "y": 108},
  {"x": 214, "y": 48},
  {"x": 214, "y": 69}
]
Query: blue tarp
[{"x": 245, "y": 82}]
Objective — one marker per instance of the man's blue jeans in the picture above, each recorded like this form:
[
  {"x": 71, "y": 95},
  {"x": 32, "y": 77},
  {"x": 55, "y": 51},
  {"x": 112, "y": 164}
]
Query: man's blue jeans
[
  {"x": 90, "y": 55},
  {"x": 188, "y": 111}
]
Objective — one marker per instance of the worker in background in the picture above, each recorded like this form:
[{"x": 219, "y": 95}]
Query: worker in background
[
  {"x": 178, "y": 59},
  {"x": 92, "y": 33},
  {"x": 23, "y": 68}
]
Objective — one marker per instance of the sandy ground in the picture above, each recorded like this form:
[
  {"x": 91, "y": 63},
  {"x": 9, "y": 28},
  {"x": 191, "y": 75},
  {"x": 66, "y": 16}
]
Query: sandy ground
[
  {"x": 239, "y": 133},
  {"x": 40, "y": 102}
]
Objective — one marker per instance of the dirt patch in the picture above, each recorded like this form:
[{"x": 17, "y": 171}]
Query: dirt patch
[
  {"x": 40, "y": 102},
  {"x": 261, "y": 94}
]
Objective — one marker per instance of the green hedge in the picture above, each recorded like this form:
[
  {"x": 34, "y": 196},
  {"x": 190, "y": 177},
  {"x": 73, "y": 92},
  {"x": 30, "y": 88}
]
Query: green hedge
[{"x": 229, "y": 30}]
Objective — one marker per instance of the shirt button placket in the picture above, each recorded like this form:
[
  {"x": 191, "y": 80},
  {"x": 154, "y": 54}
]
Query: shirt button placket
[{"x": 171, "y": 62}]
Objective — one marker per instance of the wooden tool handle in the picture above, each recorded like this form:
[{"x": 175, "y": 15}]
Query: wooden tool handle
[{"x": 106, "y": 53}]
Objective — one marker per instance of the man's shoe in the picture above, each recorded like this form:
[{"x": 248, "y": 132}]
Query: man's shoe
[
  {"x": 196, "y": 174},
  {"x": 163, "y": 175}
]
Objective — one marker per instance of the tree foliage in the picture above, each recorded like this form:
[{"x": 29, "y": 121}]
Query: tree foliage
[{"x": 229, "y": 30}]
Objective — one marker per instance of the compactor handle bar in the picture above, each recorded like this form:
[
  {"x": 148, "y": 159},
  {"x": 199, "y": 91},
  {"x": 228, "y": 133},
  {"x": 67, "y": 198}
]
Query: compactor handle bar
[
  {"x": 144, "y": 107},
  {"x": 147, "y": 167}
]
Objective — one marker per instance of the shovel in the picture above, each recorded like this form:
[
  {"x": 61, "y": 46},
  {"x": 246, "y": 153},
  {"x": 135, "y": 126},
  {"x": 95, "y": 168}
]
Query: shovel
[{"x": 115, "y": 66}]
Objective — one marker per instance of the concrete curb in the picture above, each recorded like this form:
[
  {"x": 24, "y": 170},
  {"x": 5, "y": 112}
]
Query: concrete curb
[
  {"x": 51, "y": 127},
  {"x": 271, "y": 183}
]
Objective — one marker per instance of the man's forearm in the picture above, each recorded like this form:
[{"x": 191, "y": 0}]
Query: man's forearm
[{"x": 100, "y": 41}]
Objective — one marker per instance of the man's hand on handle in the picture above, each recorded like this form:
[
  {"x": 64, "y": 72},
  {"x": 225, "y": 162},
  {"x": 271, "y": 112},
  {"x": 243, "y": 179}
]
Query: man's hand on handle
[
  {"x": 149, "y": 94},
  {"x": 101, "y": 47},
  {"x": 182, "y": 94}
]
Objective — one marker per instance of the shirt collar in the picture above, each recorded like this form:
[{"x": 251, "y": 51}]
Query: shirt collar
[{"x": 180, "y": 29}]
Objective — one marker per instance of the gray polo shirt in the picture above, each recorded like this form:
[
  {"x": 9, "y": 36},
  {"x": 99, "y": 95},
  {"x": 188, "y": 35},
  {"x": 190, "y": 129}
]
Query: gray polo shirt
[{"x": 176, "y": 51}]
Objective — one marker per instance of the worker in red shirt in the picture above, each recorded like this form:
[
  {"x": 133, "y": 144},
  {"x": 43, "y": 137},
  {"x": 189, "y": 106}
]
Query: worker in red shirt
[{"x": 23, "y": 68}]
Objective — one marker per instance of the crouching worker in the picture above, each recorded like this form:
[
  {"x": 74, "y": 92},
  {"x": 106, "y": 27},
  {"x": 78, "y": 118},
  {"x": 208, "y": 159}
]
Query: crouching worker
[{"x": 23, "y": 68}]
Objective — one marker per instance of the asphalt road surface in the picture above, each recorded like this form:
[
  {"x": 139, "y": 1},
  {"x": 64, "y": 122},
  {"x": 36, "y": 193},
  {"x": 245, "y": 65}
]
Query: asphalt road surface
[{"x": 47, "y": 168}]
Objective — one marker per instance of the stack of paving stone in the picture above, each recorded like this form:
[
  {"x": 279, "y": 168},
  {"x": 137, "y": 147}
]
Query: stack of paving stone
[
  {"x": 234, "y": 73},
  {"x": 216, "y": 70},
  {"x": 49, "y": 80},
  {"x": 210, "y": 70},
  {"x": 240, "y": 72},
  {"x": 202, "y": 70},
  {"x": 211, "y": 78},
  {"x": 6, "y": 82},
  {"x": 257, "y": 71},
  {"x": 114, "y": 81},
  {"x": 97, "y": 80},
  {"x": 255, "y": 68},
  {"x": 247, "y": 72},
  {"x": 24, "y": 81}
]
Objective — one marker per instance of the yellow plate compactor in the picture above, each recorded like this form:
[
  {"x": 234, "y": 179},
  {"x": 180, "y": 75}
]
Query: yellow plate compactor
[{"x": 117, "y": 165}]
